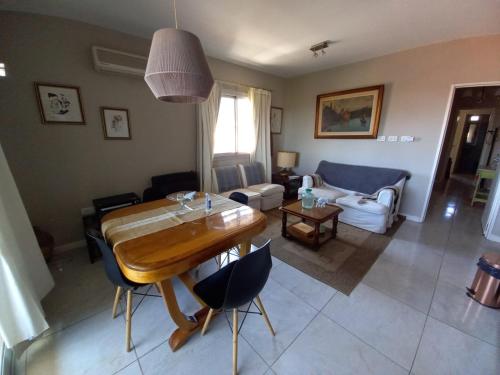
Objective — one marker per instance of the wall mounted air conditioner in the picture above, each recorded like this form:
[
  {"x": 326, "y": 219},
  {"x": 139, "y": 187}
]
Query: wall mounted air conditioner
[{"x": 110, "y": 60}]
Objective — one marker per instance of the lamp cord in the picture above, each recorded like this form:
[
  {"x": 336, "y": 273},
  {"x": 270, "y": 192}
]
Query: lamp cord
[{"x": 175, "y": 15}]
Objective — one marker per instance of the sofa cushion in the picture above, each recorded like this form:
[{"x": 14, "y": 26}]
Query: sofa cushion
[
  {"x": 227, "y": 178},
  {"x": 266, "y": 190},
  {"x": 252, "y": 174},
  {"x": 369, "y": 205},
  {"x": 323, "y": 192}
]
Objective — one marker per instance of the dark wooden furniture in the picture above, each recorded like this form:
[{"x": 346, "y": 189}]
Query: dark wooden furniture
[
  {"x": 291, "y": 185},
  {"x": 160, "y": 256},
  {"x": 316, "y": 216}
]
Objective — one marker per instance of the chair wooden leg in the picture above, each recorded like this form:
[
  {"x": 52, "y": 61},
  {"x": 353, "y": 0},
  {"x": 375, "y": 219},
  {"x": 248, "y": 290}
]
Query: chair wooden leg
[
  {"x": 117, "y": 300},
  {"x": 235, "y": 341},
  {"x": 218, "y": 260},
  {"x": 264, "y": 315},
  {"x": 128, "y": 320},
  {"x": 207, "y": 321}
]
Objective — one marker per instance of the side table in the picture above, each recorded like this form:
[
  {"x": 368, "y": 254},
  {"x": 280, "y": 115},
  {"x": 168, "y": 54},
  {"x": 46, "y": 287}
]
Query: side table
[{"x": 291, "y": 185}]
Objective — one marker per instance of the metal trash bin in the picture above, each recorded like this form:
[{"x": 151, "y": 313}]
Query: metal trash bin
[{"x": 485, "y": 288}]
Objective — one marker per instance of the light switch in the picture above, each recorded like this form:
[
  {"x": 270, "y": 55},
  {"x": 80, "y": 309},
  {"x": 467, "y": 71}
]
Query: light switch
[
  {"x": 381, "y": 138},
  {"x": 407, "y": 138},
  {"x": 392, "y": 138}
]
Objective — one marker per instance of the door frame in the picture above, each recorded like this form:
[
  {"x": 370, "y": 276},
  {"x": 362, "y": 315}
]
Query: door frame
[{"x": 442, "y": 136}]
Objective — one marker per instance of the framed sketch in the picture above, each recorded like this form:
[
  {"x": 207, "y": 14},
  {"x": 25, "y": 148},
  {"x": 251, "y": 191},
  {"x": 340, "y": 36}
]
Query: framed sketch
[
  {"x": 349, "y": 114},
  {"x": 276, "y": 120},
  {"x": 115, "y": 123},
  {"x": 59, "y": 104}
]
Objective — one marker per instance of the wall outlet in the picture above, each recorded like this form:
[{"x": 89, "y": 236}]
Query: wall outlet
[
  {"x": 407, "y": 138},
  {"x": 392, "y": 138},
  {"x": 381, "y": 138},
  {"x": 87, "y": 211}
]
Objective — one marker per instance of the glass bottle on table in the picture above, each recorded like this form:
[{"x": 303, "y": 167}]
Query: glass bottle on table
[{"x": 308, "y": 199}]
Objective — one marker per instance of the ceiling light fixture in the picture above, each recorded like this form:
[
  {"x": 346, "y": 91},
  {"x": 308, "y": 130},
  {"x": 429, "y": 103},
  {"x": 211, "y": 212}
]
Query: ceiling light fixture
[
  {"x": 319, "y": 47},
  {"x": 177, "y": 70}
]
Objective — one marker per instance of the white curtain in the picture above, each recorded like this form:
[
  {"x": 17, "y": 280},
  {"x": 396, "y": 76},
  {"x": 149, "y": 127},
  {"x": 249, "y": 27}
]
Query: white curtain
[
  {"x": 207, "y": 121},
  {"x": 24, "y": 276},
  {"x": 261, "y": 104}
]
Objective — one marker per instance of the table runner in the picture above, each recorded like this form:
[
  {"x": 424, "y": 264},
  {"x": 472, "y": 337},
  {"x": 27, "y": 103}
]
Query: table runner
[{"x": 143, "y": 223}]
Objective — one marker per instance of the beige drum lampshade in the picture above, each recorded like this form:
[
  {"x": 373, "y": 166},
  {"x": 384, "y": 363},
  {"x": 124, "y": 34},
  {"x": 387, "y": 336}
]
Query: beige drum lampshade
[
  {"x": 286, "y": 159},
  {"x": 177, "y": 70}
]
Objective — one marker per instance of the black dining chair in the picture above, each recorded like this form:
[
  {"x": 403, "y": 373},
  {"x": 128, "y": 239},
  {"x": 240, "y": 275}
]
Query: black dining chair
[
  {"x": 123, "y": 285},
  {"x": 236, "y": 285},
  {"x": 235, "y": 251}
]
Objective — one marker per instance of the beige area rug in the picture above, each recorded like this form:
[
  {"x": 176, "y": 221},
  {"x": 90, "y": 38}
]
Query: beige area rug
[{"x": 341, "y": 263}]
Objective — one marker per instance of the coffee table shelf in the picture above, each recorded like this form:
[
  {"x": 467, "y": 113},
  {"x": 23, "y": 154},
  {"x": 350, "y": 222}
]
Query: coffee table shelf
[{"x": 316, "y": 216}]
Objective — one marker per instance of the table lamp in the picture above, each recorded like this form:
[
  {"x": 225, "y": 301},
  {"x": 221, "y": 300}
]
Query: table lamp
[{"x": 286, "y": 161}]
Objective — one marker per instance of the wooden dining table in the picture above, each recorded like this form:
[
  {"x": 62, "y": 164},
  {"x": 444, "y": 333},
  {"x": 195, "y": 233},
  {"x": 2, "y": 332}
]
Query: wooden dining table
[{"x": 156, "y": 258}]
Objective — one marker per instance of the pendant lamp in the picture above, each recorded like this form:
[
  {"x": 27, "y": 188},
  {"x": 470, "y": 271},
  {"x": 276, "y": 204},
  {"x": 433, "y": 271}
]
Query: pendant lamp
[{"x": 177, "y": 69}]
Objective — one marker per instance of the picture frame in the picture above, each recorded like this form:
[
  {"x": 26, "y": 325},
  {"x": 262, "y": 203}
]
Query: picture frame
[
  {"x": 276, "y": 120},
  {"x": 115, "y": 123},
  {"x": 349, "y": 114},
  {"x": 59, "y": 104}
]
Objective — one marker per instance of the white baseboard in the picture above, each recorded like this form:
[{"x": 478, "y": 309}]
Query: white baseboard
[
  {"x": 414, "y": 218},
  {"x": 69, "y": 246},
  {"x": 493, "y": 237}
]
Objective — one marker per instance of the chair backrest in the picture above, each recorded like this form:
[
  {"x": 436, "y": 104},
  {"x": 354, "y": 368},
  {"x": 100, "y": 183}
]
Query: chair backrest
[
  {"x": 252, "y": 174},
  {"x": 248, "y": 277},
  {"x": 111, "y": 266},
  {"x": 239, "y": 197}
]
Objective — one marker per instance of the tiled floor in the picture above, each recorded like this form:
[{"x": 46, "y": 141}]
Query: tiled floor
[{"x": 409, "y": 315}]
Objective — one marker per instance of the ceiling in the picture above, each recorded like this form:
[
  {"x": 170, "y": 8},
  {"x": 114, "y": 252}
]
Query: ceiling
[{"x": 274, "y": 35}]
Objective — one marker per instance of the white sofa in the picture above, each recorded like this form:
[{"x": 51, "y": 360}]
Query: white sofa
[
  {"x": 249, "y": 180},
  {"x": 347, "y": 185}
]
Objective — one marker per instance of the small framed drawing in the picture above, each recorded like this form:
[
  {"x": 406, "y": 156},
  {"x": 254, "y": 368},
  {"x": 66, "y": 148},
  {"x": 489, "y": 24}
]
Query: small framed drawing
[
  {"x": 59, "y": 104},
  {"x": 349, "y": 114},
  {"x": 115, "y": 123},
  {"x": 276, "y": 120}
]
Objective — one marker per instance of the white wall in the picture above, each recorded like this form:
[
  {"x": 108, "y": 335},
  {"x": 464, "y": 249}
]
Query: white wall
[
  {"x": 417, "y": 87},
  {"x": 60, "y": 168}
]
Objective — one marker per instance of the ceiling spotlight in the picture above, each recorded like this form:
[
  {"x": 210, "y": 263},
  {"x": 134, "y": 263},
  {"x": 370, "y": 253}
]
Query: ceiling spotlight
[{"x": 319, "y": 47}]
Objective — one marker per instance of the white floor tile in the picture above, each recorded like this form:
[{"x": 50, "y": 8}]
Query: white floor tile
[
  {"x": 312, "y": 291},
  {"x": 288, "y": 314},
  {"x": 93, "y": 346},
  {"x": 403, "y": 283},
  {"x": 452, "y": 306},
  {"x": 132, "y": 369},
  {"x": 209, "y": 354},
  {"x": 447, "y": 351},
  {"x": 326, "y": 348},
  {"x": 388, "y": 325}
]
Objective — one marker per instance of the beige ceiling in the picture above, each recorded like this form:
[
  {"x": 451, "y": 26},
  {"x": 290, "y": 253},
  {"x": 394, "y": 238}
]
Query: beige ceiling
[{"x": 275, "y": 35}]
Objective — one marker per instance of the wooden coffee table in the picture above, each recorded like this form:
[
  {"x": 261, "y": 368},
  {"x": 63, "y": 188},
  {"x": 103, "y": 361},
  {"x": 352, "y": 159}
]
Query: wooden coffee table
[{"x": 315, "y": 215}]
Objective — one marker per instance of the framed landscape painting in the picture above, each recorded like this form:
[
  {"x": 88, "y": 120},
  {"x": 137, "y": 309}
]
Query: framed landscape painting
[
  {"x": 115, "y": 123},
  {"x": 349, "y": 114},
  {"x": 59, "y": 104}
]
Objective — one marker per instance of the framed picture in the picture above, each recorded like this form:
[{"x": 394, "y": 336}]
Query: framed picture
[
  {"x": 115, "y": 123},
  {"x": 59, "y": 104},
  {"x": 276, "y": 120},
  {"x": 349, "y": 114}
]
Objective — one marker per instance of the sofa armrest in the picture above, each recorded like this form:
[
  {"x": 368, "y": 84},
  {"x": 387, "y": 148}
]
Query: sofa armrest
[
  {"x": 307, "y": 182},
  {"x": 386, "y": 197}
]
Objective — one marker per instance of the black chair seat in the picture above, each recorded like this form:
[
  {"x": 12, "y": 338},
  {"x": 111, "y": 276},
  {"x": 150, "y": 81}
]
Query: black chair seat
[{"x": 212, "y": 290}]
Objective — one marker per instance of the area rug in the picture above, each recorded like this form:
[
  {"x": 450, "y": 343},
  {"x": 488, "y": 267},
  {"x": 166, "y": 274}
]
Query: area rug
[{"x": 341, "y": 262}]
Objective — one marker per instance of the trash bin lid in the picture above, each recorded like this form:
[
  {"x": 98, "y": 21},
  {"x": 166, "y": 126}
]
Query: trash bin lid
[{"x": 493, "y": 259}]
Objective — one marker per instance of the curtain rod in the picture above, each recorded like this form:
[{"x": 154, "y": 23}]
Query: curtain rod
[{"x": 241, "y": 84}]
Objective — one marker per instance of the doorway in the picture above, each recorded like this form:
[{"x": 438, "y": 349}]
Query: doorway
[{"x": 470, "y": 145}]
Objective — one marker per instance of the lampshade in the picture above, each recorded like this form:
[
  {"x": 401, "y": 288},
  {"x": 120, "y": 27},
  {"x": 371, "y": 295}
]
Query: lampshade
[
  {"x": 177, "y": 70},
  {"x": 286, "y": 159}
]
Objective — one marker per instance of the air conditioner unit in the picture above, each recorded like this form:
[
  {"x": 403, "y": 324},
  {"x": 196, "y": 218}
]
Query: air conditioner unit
[{"x": 110, "y": 60}]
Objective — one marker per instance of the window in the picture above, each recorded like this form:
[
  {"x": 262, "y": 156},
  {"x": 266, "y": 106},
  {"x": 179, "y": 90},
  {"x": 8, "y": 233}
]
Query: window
[
  {"x": 3, "y": 73},
  {"x": 234, "y": 132},
  {"x": 474, "y": 118}
]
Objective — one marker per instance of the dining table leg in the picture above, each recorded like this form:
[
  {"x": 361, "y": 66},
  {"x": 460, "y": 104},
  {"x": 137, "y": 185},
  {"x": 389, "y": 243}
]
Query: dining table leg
[
  {"x": 245, "y": 247},
  {"x": 187, "y": 325}
]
